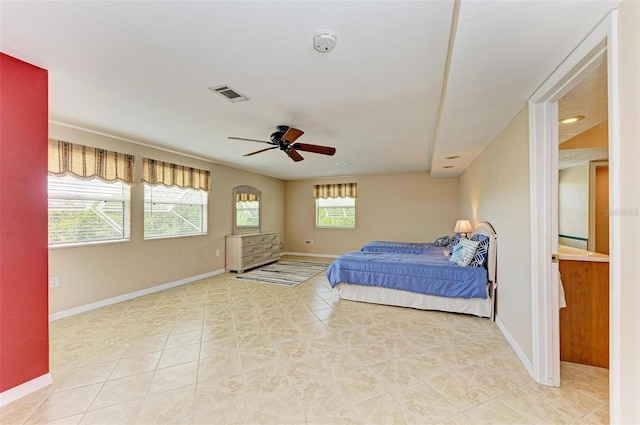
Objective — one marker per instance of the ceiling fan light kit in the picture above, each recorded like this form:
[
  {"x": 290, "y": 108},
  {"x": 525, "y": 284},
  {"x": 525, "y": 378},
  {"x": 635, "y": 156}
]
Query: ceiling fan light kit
[{"x": 325, "y": 41}]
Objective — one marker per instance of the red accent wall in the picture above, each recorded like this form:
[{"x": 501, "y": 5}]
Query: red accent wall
[{"x": 24, "y": 324}]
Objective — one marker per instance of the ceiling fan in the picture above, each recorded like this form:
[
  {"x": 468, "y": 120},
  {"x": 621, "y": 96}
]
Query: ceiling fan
[{"x": 285, "y": 139}]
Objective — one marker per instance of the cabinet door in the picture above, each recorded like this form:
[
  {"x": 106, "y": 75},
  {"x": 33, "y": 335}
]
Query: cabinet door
[{"x": 584, "y": 323}]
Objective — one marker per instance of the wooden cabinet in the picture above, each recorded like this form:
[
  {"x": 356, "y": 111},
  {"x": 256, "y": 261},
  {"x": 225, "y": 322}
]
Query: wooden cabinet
[
  {"x": 584, "y": 323},
  {"x": 247, "y": 251}
]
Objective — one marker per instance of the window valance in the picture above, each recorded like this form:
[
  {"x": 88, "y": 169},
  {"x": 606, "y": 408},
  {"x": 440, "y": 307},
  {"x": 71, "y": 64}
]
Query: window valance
[
  {"x": 246, "y": 197},
  {"x": 158, "y": 172},
  {"x": 86, "y": 162},
  {"x": 339, "y": 190}
]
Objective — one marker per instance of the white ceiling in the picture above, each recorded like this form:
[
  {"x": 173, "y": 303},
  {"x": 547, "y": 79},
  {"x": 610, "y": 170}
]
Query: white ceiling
[
  {"x": 588, "y": 99},
  {"x": 141, "y": 71}
]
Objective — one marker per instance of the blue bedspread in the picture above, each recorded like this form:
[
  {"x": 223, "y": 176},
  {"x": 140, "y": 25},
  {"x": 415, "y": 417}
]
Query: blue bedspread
[
  {"x": 426, "y": 274},
  {"x": 404, "y": 247}
]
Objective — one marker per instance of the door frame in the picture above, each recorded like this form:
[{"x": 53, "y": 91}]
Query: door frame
[
  {"x": 593, "y": 165},
  {"x": 543, "y": 158}
]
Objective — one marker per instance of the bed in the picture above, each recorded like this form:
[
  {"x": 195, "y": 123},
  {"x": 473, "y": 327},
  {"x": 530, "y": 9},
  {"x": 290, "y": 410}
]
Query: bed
[{"x": 422, "y": 281}]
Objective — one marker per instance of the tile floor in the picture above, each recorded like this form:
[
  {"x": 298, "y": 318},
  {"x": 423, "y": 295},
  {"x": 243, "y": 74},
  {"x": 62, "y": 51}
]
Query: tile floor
[{"x": 224, "y": 351}]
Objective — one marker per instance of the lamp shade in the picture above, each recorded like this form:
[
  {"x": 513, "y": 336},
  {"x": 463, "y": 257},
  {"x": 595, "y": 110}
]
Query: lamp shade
[{"x": 463, "y": 226}]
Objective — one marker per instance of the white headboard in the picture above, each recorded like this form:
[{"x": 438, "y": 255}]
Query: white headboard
[{"x": 485, "y": 228}]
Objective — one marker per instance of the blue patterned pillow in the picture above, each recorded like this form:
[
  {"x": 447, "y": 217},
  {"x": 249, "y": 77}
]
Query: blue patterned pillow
[
  {"x": 462, "y": 254},
  {"x": 443, "y": 241},
  {"x": 454, "y": 240},
  {"x": 480, "y": 258}
]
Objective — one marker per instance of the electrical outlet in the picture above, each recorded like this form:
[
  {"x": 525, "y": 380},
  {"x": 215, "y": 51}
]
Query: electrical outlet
[
  {"x": 54, "y": 282},
  {"x": 217, "y": 252}
]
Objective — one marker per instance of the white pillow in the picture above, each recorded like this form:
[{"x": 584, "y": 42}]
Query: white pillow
[{"x": 464, "y": 252}]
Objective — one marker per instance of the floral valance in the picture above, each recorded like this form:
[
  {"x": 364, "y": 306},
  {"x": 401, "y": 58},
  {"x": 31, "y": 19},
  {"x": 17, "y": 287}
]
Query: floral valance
[
  {"x": 339, "y": 190},
  {"x": 246, "y": 197},
  {"x": 86, "y": 162},
  {"x": 168, "y": 174}
]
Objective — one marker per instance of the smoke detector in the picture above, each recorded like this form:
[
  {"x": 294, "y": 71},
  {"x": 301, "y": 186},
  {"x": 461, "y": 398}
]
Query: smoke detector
[{"x": 325, "y": 41}]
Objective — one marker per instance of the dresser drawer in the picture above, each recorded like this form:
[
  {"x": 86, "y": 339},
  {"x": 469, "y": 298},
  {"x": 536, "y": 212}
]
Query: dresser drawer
[
  {"x": 247, "y": 261},
  {"x": 250, "y": 250},
  {"x": 263, "y": 238},
  {"x": 270, "y": 255},
  {"x": 273, "y": 246},
  {"x": 250, "y": 241},
  {"x": 274, "y": 237}
]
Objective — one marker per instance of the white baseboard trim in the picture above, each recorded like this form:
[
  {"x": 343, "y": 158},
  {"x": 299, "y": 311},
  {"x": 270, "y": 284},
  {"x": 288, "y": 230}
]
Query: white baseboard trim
[
  {"x": 109, "y": 301},
  {"x": 27, "y": 388},
  {"x": 309, "y": 254},
  {"x": 516, "y": 347}
]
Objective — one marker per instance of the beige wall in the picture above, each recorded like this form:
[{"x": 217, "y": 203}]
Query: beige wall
[
  {"x": 573, "y": 201},
  {"x": 495, "y": 188},
  {"x": 94, "y": 273},
  {"x": 628, "y": 218},
  {"x": 409, "y": 207}
]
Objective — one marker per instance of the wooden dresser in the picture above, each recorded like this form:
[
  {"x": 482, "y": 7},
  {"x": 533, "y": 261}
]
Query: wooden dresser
[{"x": 251, "y": 250}]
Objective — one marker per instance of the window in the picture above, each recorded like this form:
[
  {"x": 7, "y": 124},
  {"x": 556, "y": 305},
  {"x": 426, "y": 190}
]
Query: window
[
  {"x": 89, "y": 195},
  {"x": 175, "y": 199},
  {"x": 336, "y": 212},
  {"x": 336, "y": 205},
  {"x": 174, "y": 211},
  {"x": 83, "y": 211}
]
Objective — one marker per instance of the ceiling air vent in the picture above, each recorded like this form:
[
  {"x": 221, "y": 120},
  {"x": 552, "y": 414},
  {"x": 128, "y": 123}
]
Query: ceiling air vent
[{"x": 228, "y": 93}]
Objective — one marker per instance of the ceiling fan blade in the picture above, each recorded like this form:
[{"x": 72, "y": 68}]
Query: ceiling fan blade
[
  {"x": 292, "y": 134},
  {"x": 293, "y": 154},
  {"x": 249, "y": 140},
  {"x": 261, "y": 150},
  {"x": 324, "y": 150}
]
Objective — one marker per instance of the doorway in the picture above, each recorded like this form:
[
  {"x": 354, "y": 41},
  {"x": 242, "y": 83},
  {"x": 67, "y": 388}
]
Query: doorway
[
  {"x": 583, "y": 221},
  {"x": 543, "y": 129}
]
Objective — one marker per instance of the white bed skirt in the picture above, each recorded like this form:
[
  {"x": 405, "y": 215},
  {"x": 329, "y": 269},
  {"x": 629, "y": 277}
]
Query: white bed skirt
[{"x": 379, "y": 295}]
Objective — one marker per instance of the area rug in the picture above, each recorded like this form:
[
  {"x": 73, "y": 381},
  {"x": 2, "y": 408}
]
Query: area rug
[{"x": 288, "y": 273}]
